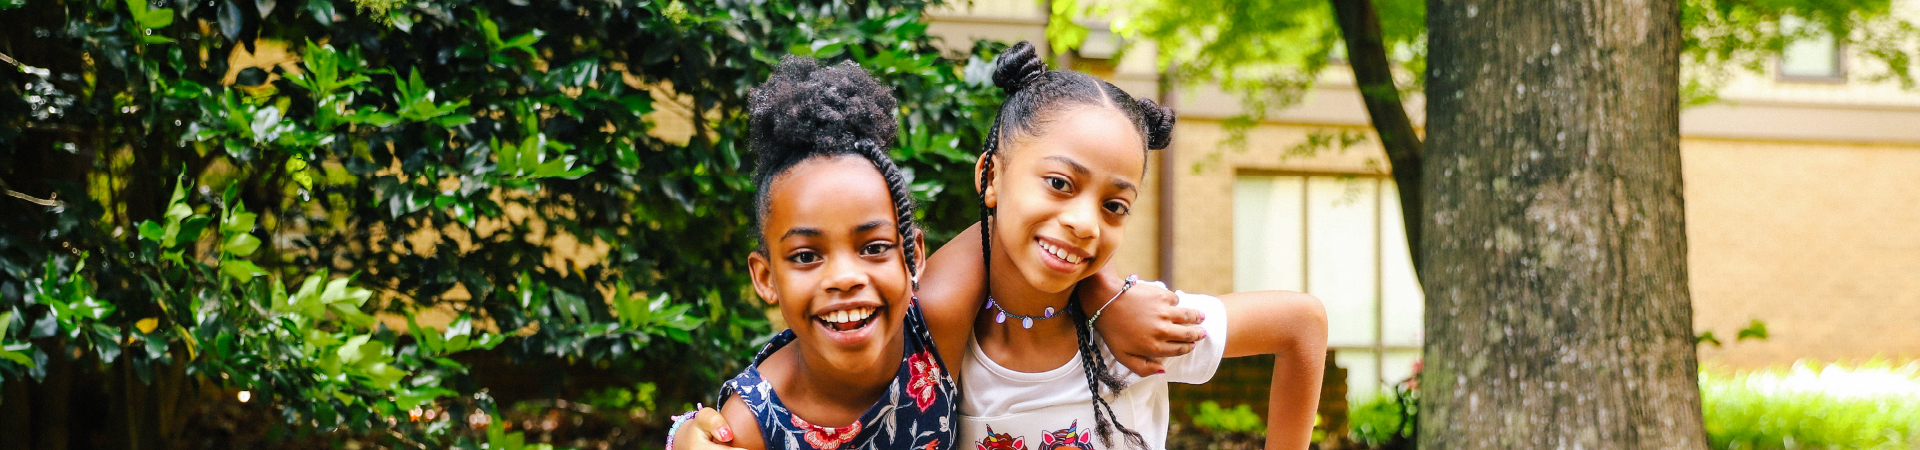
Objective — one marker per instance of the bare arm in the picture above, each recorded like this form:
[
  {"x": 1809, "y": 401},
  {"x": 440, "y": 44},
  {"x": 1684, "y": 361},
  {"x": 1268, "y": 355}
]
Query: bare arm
[
  {"x": 953, "y": 288},
  {"x": 1293, "y": 327}
]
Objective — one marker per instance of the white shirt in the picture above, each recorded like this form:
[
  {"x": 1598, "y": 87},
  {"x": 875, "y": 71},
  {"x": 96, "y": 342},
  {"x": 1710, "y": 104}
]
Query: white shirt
[{"x": 1053, "y": 409}]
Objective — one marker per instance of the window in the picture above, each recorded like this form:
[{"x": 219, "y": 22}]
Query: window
[
  {"x": 1813, "y": 56},
  {"x": 1339, "y": 238}
]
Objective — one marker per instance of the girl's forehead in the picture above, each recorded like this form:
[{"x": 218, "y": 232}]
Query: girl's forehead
[
  {"x": 828, "y": 193},
  {"x": 1097, "y": 139}
]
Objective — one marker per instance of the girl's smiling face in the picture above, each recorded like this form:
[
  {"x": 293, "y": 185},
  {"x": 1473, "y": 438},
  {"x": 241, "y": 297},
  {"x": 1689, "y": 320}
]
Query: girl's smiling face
[
  {"x": 833, "y": 263},
  {"x": 1061, "y": 198}
]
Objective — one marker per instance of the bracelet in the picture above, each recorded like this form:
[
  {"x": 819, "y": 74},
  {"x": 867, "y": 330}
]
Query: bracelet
[
  {"x": 1131, "y": 279},
  {"x": 678, "y": 421}
]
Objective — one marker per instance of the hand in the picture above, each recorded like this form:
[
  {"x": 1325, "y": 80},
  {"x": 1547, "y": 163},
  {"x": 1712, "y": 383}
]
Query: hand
[
  {"x": 707, "y": 430},
  {"x": 1143, "y": 325}
]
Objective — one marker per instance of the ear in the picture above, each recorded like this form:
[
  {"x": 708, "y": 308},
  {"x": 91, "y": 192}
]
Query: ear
[
  {"x": 761, "y": 270},
  {"x": 983, "y": 179},
  {"x": 919, "y": 257},
  {"x": 1020, "y": 442}
]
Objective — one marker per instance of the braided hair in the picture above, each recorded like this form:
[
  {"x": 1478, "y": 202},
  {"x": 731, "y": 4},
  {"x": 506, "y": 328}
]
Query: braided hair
[
  {"x": 807, "y": 110},
  {"x": 1035, "y": 96}
]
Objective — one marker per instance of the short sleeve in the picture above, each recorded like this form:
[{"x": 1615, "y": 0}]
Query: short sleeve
[{"x": 1198, "y": 366}]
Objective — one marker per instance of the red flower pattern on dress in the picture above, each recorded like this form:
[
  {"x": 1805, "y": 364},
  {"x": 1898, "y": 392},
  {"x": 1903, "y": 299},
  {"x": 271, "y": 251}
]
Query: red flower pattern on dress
[
  {"x": 925, "y": 379},
  {"x": 935, "y": 445},
  {"x": 825, "y": 438}
]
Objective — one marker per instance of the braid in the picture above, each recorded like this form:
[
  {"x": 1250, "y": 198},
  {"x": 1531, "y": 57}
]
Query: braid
[
  {"x": 986, "y": 212},
  {"x": 1094, "y": 363},
  {"x": 903, "y": 206}
]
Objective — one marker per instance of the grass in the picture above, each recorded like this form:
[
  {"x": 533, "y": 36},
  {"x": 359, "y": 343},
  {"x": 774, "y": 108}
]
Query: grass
[{"x": 1869, "y": 406}]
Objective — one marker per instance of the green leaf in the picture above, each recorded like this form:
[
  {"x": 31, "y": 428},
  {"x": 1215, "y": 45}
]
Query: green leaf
[
  {"x": 17, "y": 357},
  {"x": 241, "y": 245},
  {"x": 1755, "y": 330},
  {"x": 6, "y": 320},
  {"x": 240, "y": 268}
]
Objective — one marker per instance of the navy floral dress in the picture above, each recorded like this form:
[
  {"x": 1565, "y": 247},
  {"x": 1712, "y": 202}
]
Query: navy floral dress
[{"x": 915, "y": 413}]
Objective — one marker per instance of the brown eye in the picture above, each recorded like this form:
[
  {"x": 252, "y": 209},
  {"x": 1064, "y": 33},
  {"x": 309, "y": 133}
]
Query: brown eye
[
  {"x": 1059, "y": 184},
  {"x": 1119, "y": 208},
  {"x": 804, "y": 258},
  {"x": 876, "y": 248}
]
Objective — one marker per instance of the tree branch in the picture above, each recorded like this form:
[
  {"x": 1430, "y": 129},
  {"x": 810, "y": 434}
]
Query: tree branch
[{"x": 1367, "y": 55}]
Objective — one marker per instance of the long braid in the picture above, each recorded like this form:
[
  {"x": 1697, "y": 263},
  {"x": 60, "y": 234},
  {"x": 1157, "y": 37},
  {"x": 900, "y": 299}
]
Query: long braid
[
  {"x": 986, "y": 212},
  {"x": 903, "y": 205},
  {"x": 1094, "y": 363}
]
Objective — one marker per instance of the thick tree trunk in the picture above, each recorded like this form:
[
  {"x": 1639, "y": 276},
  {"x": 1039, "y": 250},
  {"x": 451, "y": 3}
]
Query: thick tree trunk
[
  {"x": 1367, "y": 56},
  {"x": 1557, "y": 310}
]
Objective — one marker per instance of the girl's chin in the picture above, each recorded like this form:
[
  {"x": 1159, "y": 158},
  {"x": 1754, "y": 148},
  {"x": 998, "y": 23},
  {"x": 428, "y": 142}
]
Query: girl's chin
[{"x": 1052, "y": 282}]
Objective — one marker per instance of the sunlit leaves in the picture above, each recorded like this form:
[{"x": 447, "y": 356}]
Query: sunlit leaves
[{"x": 148, "y": 20}]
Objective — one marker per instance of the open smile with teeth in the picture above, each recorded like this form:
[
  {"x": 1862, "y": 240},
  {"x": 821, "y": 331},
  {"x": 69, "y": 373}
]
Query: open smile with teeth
[
  {"x": 847, "y": 319},
  {"x": 1061, "y": 253}
]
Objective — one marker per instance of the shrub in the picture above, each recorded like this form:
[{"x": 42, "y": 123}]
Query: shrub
[{"x": 1869, "y": 406}]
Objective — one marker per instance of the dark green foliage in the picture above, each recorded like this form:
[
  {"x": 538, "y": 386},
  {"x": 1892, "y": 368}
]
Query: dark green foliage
[{"x": 433, "y": 154}]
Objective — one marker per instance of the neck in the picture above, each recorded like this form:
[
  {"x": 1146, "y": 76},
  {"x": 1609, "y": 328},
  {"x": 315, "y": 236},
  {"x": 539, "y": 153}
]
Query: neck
[{"x": 832, "y": 397}]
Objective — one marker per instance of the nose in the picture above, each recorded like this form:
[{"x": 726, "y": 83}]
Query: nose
[
  {"x": 1081, "y": 219},
  {"x": 844, "y": 275}
]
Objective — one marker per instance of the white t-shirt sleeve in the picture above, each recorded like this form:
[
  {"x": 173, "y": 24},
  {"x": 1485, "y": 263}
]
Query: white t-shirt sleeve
[{"x": 1198, "y": 366}]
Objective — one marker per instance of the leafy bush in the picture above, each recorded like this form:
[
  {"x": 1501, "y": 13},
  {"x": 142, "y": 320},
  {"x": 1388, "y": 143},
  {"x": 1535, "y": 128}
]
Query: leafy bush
[
  {"x": 561, "y": 181},
  {"x": 1210, "y": 416},
  {"x": 1385, "y": 421},
  {"x": 1869, "y": 406}
]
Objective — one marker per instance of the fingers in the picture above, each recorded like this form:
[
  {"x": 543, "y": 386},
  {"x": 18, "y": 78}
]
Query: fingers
[
  {"x": 1180, "y": 333},
  {"x": 1185, "y": 316},
  {"x": 706, "y": 430},
  {"x": 711, "y": 422},
  {"x": 1139, "y": 364},
  {"x": 1173, "y": 349}
]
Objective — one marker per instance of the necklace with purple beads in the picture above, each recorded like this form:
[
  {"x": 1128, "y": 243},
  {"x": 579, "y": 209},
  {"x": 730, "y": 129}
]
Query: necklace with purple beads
[{"x": 1025, "y": 321}]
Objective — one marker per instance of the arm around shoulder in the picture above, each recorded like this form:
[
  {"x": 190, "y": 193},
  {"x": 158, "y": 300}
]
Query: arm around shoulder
[{"x": 953, "y": 288}]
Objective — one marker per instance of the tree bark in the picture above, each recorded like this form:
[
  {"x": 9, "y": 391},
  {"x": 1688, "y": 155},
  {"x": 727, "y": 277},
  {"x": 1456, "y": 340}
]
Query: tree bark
[
  {"x": 1557, "y": 310},
  {"x": 1373, "y": 75}
]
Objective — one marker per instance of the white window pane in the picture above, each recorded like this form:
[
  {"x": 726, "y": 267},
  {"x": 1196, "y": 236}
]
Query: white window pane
[
  {"x": 1266, "y": 233},
  {"x": 1815, "y": 56},
  {"x": 1397, "y": 366},
  {"x": 1341, "y": 242},
  {"x": 1363, "y": 377},
  {"x": 1402, "y": 301}
]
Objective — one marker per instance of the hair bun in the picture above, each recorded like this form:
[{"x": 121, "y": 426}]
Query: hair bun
[
  {"x": 1018, "y": 67},
  {"x": 1159, "y": 124}
]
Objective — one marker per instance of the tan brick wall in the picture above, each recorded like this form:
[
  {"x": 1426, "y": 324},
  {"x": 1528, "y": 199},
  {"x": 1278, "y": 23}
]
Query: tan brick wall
[{"x": 1819, "y": 241}]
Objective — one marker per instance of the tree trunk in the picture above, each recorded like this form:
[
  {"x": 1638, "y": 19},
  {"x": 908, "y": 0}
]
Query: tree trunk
[
  {"x": 1557, "y": 311},
  {"x": 1373, "y": 75}
]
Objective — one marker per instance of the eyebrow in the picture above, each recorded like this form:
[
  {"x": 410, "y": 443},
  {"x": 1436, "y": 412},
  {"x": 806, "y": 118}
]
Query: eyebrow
[
  {"x": 869, "y": 226},
  {"x": 804, "y": 232},
  {"x": 1078, "y": 169},
  {"x": 1082, "y": 170}
]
